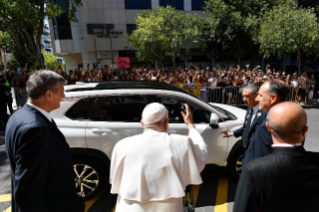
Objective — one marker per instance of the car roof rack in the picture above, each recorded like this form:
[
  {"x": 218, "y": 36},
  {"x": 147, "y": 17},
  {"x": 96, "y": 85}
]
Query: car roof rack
[{"x": 81, "y": 86}]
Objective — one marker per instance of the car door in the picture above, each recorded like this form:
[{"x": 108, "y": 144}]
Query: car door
[
  {"x": 114, "y": 118},
  {"x": 217, "y": 146}
]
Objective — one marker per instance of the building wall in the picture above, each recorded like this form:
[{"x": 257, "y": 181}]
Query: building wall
[{"x": 99, "y": 12}]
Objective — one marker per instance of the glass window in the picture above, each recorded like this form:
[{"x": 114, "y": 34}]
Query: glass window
[
  {"x": 46, "y": 44},
  {"x": 138, "y": 4},
  {"x": 198, "y": 4},
  {"x": 178, "y": 4},
  {"x": 130, "y": 28},
  {"x": 125, "y": 108},
  {"x": 81, "y": 110},
  {"x": 175, "y": 106},
  {"x": 62, "y": 27}
]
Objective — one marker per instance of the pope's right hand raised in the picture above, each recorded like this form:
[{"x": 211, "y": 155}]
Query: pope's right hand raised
[{"x": 188, "y": 117}]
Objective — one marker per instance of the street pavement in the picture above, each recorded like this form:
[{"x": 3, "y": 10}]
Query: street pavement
[{"x": 216, "y": 194}]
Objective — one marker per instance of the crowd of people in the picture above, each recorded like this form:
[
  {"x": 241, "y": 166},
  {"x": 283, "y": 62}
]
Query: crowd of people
[{"x": 195, "y": 79}]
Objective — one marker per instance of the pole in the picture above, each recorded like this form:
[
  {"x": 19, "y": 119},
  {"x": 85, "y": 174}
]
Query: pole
[
  {"x": 95, "y": 52},
  {"x": 112, "y": 49}
]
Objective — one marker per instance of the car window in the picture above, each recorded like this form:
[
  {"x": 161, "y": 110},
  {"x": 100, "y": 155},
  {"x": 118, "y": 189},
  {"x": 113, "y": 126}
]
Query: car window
[
  {"x": 174, "y": 107},
  {"x": 123, "y": 108},
  {"x": 81, "y": 110},
  {"x": 229, "y": 115}
]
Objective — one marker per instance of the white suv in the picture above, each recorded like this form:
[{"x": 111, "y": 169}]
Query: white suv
[{"x": 94, "y": 116}]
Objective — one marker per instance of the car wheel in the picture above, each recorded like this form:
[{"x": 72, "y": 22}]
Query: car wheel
[
  {"x": 235, "y": 165},
  {"x": 90, "y": 176}
]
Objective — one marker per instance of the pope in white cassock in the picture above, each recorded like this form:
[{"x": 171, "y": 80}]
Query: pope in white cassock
[{"x": 150, "y": 171}]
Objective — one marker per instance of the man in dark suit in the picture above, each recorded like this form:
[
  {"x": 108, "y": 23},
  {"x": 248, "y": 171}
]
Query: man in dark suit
[
  {"x": 288, "y": 178},
  {"x": 270, "y": 93},
  {"x": 254, "y": 117},
  {"x": 41, "y": 167}
]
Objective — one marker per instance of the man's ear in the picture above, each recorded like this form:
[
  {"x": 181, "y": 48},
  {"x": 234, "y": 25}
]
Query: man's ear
[
  {"x": 273, "y": 99},
  {"x": 48, "y": 94},
  {"x": 267, "y": 125},
  {"x": 142, "y": 123},
  {"x": 304, "y": 131}
]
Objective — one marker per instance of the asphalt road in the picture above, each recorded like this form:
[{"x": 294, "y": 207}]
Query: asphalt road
[{"x": 216, "y": 194}]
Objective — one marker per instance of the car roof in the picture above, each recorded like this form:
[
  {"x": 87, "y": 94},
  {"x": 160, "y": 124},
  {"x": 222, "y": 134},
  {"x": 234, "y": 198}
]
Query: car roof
[{"x": 81, "y": 86}]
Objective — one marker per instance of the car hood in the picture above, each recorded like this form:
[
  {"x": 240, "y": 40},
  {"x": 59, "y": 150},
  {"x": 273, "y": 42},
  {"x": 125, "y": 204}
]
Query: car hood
[{"x": 238, "y": 112}]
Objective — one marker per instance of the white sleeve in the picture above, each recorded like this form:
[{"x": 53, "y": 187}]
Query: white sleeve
[{"x": 199, "y": 148}]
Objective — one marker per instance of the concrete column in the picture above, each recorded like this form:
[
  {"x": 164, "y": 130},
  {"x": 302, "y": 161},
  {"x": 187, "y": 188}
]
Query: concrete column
[
  {"x": 155, "y": 3},
  {"x": 262, "y": 64},
  {"x": 188, "y": 5},
  {"x": 212, "y": 63},
  {"x": 238, "y": 61}
]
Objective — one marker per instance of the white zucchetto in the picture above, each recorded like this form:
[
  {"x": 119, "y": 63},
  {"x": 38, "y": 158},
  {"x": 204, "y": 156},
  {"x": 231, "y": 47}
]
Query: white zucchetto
[{"x": 153, "y": 113}]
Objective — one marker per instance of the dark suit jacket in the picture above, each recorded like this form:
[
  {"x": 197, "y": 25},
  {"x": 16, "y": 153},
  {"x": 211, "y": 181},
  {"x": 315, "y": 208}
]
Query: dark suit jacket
[
  {"x": 249, "y": 145},
  {"x": 41, "y": 167},
  {"x": 263, "y": 141},
  {"x": 285, "y": 180}
]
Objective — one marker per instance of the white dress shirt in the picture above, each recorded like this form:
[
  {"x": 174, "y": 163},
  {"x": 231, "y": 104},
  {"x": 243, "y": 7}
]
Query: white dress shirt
[
  {"x": 150, "y": 171},
  {"x": 286, "y": 145},
  {"x": 45, "y": 113},
  {"x": 255, "y": 110}
]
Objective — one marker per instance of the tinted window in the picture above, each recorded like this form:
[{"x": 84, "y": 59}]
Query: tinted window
[
  {"x": 81, "y": 110},
  {"x": 130, "y": 28},
  {"x": 178, "y": 4},
  {"x": 198, "y": 4},
  {"x": 174, "y": 107},
  {"x": 138, "y": 4},
  {"x": 125, "y": 108}
]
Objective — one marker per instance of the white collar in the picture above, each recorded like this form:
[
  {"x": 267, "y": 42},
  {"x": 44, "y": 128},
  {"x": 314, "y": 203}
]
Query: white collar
[
  {"x": 255, "y": 109},
  {"x": 286, "y": 145},
  {"x": 45, "y": 113}
]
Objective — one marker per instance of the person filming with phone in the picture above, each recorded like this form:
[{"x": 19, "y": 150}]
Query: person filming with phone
[{"x": 150, "y": 171}]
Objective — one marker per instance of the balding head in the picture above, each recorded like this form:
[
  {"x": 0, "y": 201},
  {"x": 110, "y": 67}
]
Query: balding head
[{"x": 287, "y": 123}]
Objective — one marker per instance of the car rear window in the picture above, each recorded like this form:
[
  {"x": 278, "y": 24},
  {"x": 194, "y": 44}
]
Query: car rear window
[{"x": 81, "y": 110}]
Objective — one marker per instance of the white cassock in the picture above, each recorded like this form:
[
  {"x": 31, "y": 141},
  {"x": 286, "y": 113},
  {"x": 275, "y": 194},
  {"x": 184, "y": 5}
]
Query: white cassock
[{"x": 150, "y": 171}]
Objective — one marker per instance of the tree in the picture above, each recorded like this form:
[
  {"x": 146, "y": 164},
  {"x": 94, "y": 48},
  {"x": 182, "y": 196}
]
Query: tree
[
  {"x": 23, "y": 20},
  {"x": 162, "y": 31},
  {"x": 288, "y": 29},
  {"x": 310, "y": 4},
  {"x": 15, "y": 46},
  {"x": 51, "y": 61},
  {"x": 233, "y": 25}
]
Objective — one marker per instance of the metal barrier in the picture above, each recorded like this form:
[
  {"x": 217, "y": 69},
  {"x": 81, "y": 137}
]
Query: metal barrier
[
  {"x": 225, "y": 95},
  {"x": 21, "y": 97}
]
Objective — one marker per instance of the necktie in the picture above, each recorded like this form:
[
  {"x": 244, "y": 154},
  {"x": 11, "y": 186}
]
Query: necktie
[{"x": 247, "y": 128}]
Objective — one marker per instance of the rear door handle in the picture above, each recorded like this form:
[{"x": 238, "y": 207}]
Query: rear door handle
[{"x": 101, "y": 130}]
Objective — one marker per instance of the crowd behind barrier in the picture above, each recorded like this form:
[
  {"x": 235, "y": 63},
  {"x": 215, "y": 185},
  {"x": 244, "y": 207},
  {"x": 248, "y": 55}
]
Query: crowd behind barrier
[
  {"x": 217, "y": 85},
  {"x": 229, "y": 95}
]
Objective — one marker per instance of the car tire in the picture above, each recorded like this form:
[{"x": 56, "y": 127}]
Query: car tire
[
  {"x": 90, "y": 176},
  {"x": 235, "y": 165}
]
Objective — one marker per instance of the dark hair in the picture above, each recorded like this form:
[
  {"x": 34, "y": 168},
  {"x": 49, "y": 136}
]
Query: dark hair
[{"x": 279, "y": 88}]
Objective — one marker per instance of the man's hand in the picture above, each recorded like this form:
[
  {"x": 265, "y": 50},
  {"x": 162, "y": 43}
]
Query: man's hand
[
  {"x": 188, "y": 117},
  {"x": 226, "y": 134}
]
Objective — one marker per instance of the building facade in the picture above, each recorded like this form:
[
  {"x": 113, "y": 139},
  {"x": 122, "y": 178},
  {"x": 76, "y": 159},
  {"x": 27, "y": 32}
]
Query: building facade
[{"x": 100, "y": 34}]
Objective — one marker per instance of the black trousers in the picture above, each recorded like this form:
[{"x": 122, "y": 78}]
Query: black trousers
[{"x": 9, "y": 103}]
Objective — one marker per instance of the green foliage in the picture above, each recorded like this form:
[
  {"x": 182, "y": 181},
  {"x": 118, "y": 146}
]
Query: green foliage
[
  {"x": 162, "y": 31},
  {"x": 23, "y": 20},
  {"x": 13, "y": 63},
  {"x": 288, "y": 29},
  {"x": 233, "y": 25},
  {"x": 310, "y": 4},
  {"x": 13, "y": 45},
  {"x": 51, "y": 61}
]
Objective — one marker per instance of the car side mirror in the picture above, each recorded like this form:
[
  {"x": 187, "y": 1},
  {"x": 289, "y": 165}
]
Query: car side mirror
[{"x": 213, "y": 122}]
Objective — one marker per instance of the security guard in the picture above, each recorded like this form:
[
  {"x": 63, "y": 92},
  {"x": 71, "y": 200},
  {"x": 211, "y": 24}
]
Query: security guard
[
  {"x": 9, "y": 99},
  {"x": 254, "y": 117}
]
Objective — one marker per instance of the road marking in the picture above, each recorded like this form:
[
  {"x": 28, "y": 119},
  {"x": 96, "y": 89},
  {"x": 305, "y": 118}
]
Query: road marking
[
  {"x": 5, "y": 197},
  {"x": 89, "y": 203},
  {"x": 222, "y": 191},
  {"x": 195, "y": 193},
  {"x": 8, "y": 209}
]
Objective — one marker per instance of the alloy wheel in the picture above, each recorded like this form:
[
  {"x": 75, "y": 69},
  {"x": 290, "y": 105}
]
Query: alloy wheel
[
  {"x": 86, "y": 179},
  {"x": 239, "y": 164}
]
